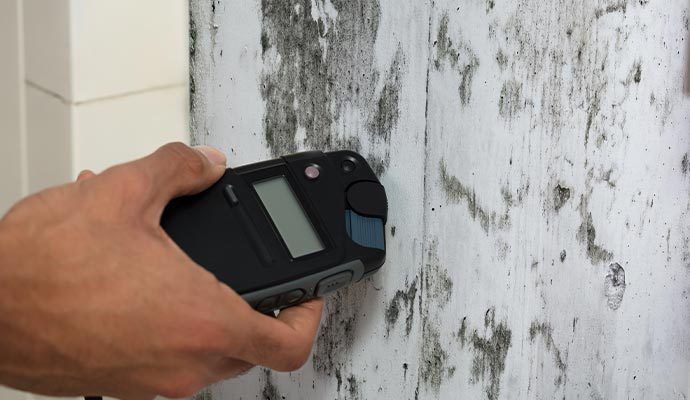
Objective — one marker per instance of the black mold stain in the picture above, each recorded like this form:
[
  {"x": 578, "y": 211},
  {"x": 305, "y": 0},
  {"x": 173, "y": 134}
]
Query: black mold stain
[
  {"x": 204, "y": 394},
  {"x": 510, "y": 103},
  {"x": 387, "y": 110},
  {"x": 437, "y": 283},
  {"x": 684, "y": 164},
  {"x": 270, "y": 391},
  {"x": 435, "y": 292},
  {"x": 323, "y": 66},
  {"x": 545, "y": 330},
  {"x": 490, "y": 4},
  {"x": 393, "y": 231},
  {"x": 433, "y": 369},
  {"x": 490, "y": 352},
  {"x": 621, "y": 6},
  {"x": 587, "y": 235},
  {"x": 461, "y": 58},
  {"x": 403, "y": 298},
  {"x": 501, "y": 59},
  {"x": 614, "y": 285},
  {"x": 561, "y": 195},
  {"x": 456, "y": 192},
  {"x": 353, "y": 388},
  {"x": 336, "y": 337},
  {"x": 563, "y": 255}
]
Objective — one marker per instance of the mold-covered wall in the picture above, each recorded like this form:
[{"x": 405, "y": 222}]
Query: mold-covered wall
[{"x": 535, "y": 155}]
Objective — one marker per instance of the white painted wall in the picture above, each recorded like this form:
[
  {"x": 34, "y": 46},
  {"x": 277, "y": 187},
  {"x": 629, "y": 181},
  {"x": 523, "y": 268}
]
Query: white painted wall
[{"x": 529, "y": 148}]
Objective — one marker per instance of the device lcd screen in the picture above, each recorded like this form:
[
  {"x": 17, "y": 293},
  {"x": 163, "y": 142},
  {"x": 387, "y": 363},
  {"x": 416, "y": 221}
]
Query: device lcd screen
[{"x": 288, "y": 216}]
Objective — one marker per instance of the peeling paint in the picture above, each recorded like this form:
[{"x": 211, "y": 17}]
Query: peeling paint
[{"x": 614, "y": 284}]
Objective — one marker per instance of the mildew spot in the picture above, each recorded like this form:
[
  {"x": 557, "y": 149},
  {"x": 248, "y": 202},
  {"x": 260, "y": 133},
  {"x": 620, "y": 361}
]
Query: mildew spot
[
  {"x": 314, "y": 67},
  {"x": 403, "y": 298},
  {"x": 490, "y": 352},
  {"x": 353, "y": 389},
  {"x": 270, "y": 391},
  {"x": 563, "y": 255},
  {"x": 456, "y": 192},
  {"x": 433, "y": 369},
  {"x": 614, "y": 286},
  {"x": 437, "y": 283},
  {"x": 545, "y": 330},
  {"x": 336, "y": 337},
  {"x": 204, "y": 394},
  {"x": 587, "y": 235},
  {"x": 561, "y": 195},
  {"x": 684, "y": 164},
  {"x": 461, "y": 58},
  {"x": 511, "y": 103},
  {"x": 621, "y": 7}
]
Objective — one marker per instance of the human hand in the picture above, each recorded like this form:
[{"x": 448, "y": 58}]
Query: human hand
[{"x": 96, "y": 299}]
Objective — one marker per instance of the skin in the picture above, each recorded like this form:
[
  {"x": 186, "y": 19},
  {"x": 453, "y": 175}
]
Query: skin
[{"x": 96, "y": 299}]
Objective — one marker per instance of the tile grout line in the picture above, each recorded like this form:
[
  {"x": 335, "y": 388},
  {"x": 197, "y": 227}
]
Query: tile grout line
[{"x": 103, "y": 98}]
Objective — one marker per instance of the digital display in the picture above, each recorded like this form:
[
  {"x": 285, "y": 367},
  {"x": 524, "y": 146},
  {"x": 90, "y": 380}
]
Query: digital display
[{"x": 288, "y": 216}]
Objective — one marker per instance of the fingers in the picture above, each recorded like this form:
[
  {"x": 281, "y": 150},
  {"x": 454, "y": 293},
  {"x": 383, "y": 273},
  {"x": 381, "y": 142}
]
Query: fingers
[
  {"x": 283, "y": 343},
  {"x": 176, "y": 170},
  {"x": 85, "y": 174}
]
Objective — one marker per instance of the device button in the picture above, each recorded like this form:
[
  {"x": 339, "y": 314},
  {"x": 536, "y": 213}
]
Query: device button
[
  {"x": 312, "y": 172},
  {"x": 348, "y": 166},
  {"x": 368, "y": 199},
  {"x": 333, "y": 282},
  {"x": 230, "y": 195},
  {"x": 268, "y": 304},
  {"x": 292, "y": 297}
]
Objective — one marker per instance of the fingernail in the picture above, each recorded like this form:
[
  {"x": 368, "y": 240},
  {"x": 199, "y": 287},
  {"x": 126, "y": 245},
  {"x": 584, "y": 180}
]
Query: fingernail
[{"x": 215, "y": 156}]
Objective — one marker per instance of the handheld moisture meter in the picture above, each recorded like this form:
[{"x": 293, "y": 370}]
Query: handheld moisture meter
[{"x": 283, "y": 231}]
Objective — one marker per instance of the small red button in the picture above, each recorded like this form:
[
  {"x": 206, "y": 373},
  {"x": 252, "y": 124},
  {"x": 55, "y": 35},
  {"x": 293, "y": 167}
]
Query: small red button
[{"x": 312, "y": 172}]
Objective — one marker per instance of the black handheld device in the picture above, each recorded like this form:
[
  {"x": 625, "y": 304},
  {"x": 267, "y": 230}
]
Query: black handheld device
[{"x": 283, "y": 231}]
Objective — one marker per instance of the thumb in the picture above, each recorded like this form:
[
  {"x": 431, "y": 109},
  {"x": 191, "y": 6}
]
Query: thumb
[{"x": 178, "y": 170}]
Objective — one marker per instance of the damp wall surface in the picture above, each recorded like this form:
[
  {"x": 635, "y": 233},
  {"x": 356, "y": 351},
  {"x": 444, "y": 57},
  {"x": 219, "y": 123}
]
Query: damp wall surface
[{"x": 535, "y": 155}]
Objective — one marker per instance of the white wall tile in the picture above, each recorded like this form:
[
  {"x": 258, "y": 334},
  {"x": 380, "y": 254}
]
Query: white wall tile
[
  {"x": 120, "y": 129},
  {"x": 47, "y": 45},
  {"x": 121, "y": 46},
  {"x": 11, "y": 103},
  {"x": 49, "y": 140}
]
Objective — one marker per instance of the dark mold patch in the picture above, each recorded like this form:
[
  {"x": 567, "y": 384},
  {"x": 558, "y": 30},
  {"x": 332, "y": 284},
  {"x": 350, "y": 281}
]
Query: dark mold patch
[
  {"x": 337, "y": 334},
  {"x": 563, "y": 255},
  {"x": 435, "y": 292},
  {"x": 270, "y": 391},
  {"x": 561, "y": 195},
  {"x": 437, "y": 283},
  {"x": 490, "y": 352},
  {"x": 456, "y": 192},
  {"x": 614, "y": 286},
  {"x": 490, "y": 4},
  {"x": 205, "y": 394},
  {"x": 545, "y": 330},
  {"x": 619, "y": 7},
  {"x": 387, "y": 110},
  {"x": 501, "y": 59},
  {"x": 510, "y": 103},
  {"x": 433, "y": 369},
  {"x": 587, "y": 235},
  {"x": 402, "y": 299},
  {"x": 316, "y": 67},
  {"x": 461, "y": 58},
  {"x": 684, "y": 164},
  {"x": 353, "y": 389}
]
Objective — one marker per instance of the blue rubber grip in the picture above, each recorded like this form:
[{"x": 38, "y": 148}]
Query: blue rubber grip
[{"x": 365, "y": 231}]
